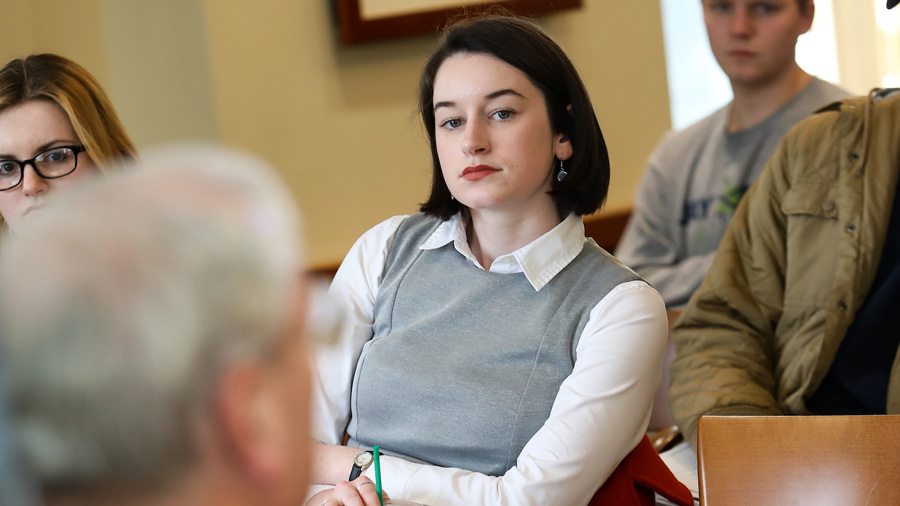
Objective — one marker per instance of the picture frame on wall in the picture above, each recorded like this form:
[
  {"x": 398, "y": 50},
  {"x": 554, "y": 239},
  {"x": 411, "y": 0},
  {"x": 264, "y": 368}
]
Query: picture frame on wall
[{"x": 362, "y": 21}]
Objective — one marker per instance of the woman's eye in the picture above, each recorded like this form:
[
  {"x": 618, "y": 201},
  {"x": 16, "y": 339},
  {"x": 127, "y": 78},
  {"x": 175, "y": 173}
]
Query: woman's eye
[
  {"x": 8, "y": 167},
  {"x": 55, "y": 156},
  {"x": 503, "y": 114},
  {"x": 451, "y": 123}
]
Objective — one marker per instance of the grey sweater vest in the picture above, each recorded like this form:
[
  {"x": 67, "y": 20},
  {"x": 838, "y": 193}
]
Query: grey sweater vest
[{"x": 465, "y": 364}]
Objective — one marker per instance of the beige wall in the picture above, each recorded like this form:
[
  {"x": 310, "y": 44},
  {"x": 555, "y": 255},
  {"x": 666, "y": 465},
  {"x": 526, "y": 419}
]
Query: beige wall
[
  {"x": 73, "y": 29},
  {"x": 150, "y": 57},
  {"x": 269, "y": 76},
  {"x": 159, "y": 69}
]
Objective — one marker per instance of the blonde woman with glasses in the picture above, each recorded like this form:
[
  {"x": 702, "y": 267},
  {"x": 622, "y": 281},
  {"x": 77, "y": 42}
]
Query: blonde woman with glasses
[{"x": 57, "y": 127}]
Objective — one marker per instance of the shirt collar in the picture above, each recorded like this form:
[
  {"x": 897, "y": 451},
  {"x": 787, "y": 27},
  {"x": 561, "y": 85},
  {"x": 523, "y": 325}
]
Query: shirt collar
[{"x": 540, "y": 260}]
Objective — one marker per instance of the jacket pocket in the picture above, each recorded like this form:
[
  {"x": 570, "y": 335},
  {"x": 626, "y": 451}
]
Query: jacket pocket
[
  {"x": 811, "y": 199},
  {"x": 811, "y": 232}
]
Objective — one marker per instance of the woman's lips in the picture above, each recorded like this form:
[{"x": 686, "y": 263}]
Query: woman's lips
[{"x": 476, "y": 172}]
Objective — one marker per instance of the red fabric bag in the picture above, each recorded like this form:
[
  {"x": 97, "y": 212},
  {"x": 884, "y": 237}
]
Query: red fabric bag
[{"x": 641, "y": 474}]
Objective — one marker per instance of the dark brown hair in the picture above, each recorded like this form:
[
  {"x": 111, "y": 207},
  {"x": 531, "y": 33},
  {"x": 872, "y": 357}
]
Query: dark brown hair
[{"x": 525, "y": 46}]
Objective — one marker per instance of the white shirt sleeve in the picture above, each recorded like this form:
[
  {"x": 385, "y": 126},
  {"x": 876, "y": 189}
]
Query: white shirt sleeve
[
  {"x": 599, "y": 415},
  {"x": 354, "y": 288}
]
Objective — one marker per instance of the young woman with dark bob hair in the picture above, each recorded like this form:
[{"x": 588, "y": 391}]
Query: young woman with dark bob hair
[
  {"x": 57, "y": 127},
  {"x": 493, "y": 353}
]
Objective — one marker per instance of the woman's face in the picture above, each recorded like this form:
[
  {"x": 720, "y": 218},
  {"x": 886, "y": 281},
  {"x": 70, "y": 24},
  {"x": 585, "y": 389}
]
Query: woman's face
[
  {"x": 26, "y": 130},
  {"x": 493, "y": 135}
]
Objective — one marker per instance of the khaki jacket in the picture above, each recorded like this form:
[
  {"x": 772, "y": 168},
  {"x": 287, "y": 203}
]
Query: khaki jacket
[{"x": 796, "y": 263}]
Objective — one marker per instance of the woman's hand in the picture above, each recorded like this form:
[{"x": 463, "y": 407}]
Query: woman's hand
[{"x": 359, "y": 492}]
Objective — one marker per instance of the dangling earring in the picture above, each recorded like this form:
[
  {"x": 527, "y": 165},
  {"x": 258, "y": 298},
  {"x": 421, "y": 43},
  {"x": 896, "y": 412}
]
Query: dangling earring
[{"x": 562, "y": 172}]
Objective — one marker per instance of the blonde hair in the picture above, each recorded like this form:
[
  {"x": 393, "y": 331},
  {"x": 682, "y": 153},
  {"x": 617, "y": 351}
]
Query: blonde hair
[
  {"x": 74, "y": 90},
  {"x": 71, "y": 87}
]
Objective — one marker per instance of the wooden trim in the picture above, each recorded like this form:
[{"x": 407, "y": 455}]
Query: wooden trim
[
  {"x": 323, "y": 271},
  {"x": 355, "y": 30},
  {"x": 605, "y": 228}
]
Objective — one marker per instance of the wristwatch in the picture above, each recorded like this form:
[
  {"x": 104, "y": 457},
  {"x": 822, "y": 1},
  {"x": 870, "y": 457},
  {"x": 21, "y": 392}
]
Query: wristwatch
[{"x": 361, "y": 462}]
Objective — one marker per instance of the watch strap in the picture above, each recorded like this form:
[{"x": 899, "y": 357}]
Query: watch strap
[{"x": 356, "y": 470}]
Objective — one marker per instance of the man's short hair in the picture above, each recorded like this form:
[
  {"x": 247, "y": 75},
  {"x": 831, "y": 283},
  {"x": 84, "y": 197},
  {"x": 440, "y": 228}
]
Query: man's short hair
[{"x": 121, "y": 304}]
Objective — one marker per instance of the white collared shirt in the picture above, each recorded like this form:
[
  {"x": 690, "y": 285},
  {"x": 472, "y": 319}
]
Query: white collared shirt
[
  {"x": 540, "y": 260},
  {"x": 599, "y": 415}
]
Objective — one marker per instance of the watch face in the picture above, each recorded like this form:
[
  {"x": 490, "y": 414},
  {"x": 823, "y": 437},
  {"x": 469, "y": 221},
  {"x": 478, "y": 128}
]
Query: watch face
[{"x": 363, "y": 459}]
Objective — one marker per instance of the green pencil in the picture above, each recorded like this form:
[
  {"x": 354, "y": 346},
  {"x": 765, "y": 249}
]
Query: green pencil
[{"x": 378, "y": 476}]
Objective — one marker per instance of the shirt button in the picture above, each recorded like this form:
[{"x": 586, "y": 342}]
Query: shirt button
[
  {"x": 842, "y": 306},
  {"x": 828, "y": 206},
  {"x": 851, "y": 228}
]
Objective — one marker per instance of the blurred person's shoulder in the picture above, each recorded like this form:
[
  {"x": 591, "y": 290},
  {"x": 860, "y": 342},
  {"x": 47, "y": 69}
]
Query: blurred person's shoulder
[
  {"x": 841, "y": 117},
  {"x": 854, "y": 107},
  {"x": 838, "y": 130},
  {"x": 678, "y": 146}
]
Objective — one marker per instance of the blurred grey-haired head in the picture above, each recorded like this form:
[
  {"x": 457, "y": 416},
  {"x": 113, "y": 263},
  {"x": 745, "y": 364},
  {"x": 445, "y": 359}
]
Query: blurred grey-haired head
[{"x": 121, "y": 303}]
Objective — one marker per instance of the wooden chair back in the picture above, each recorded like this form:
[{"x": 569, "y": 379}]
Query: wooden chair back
[{"x": 799, "y": 460}]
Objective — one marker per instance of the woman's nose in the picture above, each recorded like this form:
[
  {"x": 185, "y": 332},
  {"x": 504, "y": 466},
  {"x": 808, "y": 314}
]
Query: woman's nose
[
  {"x": 475, "y": 139},
  {"x": 32, "y": 183}
]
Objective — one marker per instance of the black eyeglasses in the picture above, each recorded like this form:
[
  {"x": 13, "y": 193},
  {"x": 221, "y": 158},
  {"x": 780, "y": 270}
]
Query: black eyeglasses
[{"x": 49, "y": 164}]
